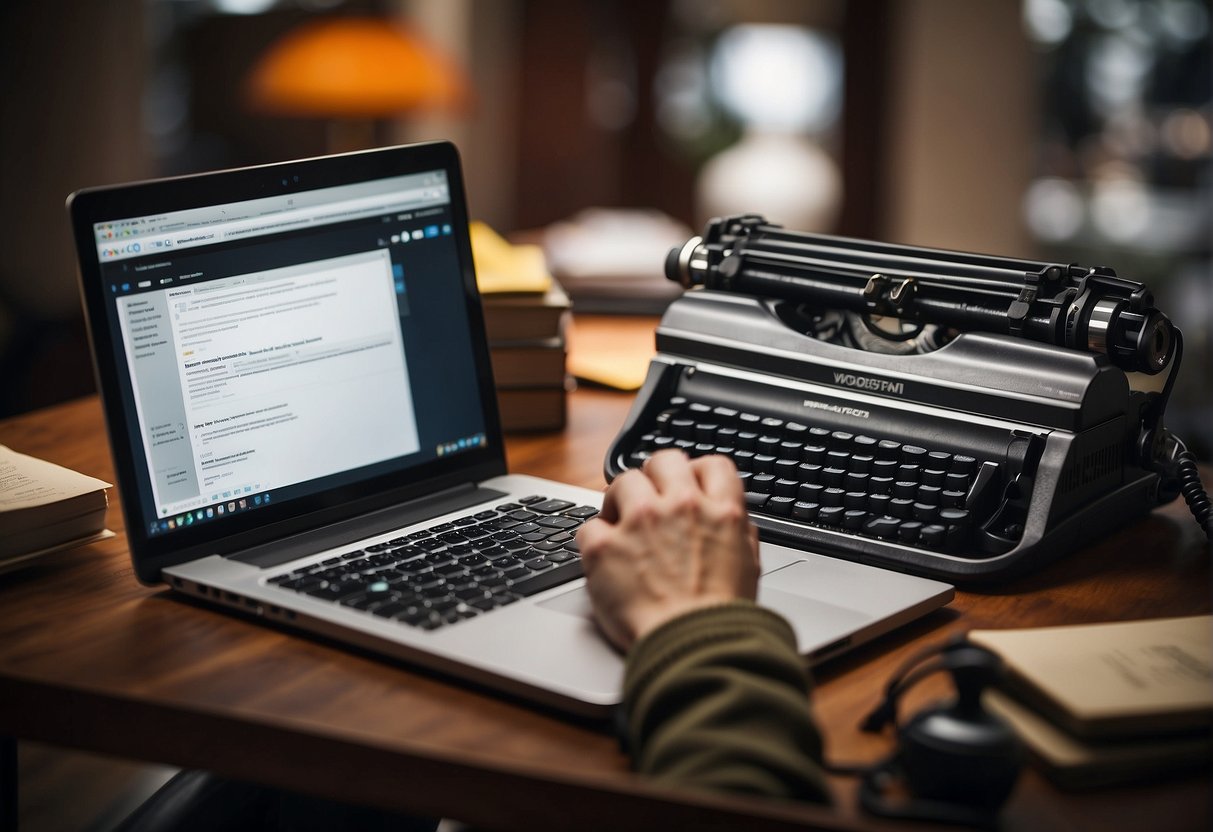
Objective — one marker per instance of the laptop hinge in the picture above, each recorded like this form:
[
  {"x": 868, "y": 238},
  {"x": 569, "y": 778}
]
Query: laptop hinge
[{"x": 364, "y": 526}]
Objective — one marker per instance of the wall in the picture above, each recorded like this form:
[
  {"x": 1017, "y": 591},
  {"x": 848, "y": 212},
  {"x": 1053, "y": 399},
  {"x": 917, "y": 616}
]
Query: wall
[
  {"x": 483, "y": 37},
  {"x": 961, "y": 126},
  {"x": 69, "y": 117}
]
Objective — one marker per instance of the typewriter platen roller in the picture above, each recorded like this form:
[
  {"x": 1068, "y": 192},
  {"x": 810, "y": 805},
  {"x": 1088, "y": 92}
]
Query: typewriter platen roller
[{"x": 968, "y": 455}]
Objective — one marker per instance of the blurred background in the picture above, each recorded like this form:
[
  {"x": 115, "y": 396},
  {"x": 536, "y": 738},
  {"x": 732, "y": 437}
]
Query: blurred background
[
  {"x": 1070, "y": 130},
  {"x": 1067, "y": 130}
]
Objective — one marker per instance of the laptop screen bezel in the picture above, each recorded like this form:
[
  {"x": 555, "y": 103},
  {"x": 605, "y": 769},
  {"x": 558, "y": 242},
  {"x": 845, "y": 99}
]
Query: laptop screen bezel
[{"x": 152, "y": 553}]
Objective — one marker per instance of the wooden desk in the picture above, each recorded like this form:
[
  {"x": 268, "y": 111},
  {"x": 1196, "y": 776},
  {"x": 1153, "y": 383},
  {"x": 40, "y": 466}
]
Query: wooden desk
[{"x": 91, "y": 659}]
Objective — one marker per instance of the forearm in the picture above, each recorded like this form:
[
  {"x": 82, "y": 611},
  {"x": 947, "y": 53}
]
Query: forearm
[{"x": 718, "y": 700}]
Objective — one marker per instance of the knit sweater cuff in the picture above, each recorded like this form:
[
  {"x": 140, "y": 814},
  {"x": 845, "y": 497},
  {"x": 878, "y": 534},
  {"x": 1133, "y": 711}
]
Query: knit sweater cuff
[{"x": 676, "y": 637}]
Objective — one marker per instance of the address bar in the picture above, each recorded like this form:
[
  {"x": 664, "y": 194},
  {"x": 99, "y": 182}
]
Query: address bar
[{"x": 205, "y": 235}]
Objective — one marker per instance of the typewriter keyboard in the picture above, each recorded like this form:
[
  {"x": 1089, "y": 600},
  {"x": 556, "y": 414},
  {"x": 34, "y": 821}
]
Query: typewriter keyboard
[{"x": 879, "y": 487}]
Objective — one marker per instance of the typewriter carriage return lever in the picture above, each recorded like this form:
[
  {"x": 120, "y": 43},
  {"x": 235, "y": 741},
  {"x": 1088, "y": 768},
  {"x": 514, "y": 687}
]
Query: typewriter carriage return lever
[{"x": 976, "y": 439}]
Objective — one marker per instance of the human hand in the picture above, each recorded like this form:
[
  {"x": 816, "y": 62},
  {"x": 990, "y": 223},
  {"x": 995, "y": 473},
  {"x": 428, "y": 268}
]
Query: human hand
[{"x": 671, "y": 538}]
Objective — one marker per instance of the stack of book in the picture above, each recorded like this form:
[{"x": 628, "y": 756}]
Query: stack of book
[
  {"x": 525, "y": 317},
  {"x": 1101, "y": 704},
  {"x": 45, "y": 507}
]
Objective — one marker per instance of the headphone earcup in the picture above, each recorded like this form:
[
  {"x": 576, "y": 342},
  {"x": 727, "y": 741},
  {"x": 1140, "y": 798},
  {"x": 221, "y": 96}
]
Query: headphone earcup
[{"x": 964, "y": 756}]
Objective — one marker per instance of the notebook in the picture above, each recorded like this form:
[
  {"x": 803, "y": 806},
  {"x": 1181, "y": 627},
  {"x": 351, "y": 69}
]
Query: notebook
[{"x": 301, "y": 410}]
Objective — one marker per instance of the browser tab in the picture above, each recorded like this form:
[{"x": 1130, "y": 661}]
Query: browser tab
[{"x": 268, "y": 215}]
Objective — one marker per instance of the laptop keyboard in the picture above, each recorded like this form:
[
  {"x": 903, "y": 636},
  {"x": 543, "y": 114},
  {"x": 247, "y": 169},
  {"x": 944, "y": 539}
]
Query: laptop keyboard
[{"x": 455, "y": 570}]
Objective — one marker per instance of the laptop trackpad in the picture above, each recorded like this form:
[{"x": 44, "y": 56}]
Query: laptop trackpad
[
  {"x": 789, "y": 591},
  {"x": 575, "y": 602}
]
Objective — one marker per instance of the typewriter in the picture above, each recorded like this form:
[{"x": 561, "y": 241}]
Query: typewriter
[{"x": 960, "y": 416}]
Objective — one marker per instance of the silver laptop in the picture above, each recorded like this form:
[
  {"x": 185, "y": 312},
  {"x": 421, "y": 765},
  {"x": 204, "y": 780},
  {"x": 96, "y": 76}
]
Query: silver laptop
[{"x": 300, "y": 405}]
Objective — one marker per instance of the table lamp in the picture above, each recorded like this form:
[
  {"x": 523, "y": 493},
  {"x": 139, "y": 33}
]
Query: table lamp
[{"x": 353, "y": 71}]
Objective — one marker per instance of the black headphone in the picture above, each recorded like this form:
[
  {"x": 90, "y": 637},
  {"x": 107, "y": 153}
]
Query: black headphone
[{"x": 958, "y": 760}]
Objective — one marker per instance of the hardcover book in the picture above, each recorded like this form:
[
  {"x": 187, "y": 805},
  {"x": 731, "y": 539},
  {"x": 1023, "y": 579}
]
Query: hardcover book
[
  {"x": 525, "y": 316},
  {"x": 536, "y": 363}
]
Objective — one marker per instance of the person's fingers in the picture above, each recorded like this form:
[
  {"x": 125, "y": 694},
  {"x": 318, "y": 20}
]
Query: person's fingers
[
  {"x": 629, "y": 489},
  {"x": 671, "y": 472},
  {"x": 591, "y": 538},
  {"x": 717, "y": 477}
]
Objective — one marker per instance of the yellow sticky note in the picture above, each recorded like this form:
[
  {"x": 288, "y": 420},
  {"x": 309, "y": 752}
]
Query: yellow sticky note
[{"x": 503, "y": 267}]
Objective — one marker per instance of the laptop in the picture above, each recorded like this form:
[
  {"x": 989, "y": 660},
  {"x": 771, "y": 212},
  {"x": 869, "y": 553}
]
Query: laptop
[{"x": 301, "y": 410}]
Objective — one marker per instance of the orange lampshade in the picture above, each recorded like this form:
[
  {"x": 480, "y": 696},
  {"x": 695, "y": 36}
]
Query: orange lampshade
[{"x": 353, "y": 68}]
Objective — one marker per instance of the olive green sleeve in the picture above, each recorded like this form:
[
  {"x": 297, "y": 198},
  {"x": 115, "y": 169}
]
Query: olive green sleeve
[{"x": 717, "y": 699}]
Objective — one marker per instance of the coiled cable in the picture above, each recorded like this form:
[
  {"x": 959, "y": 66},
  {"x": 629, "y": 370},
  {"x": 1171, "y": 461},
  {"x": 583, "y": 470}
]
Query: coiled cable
[{"x": 1194, "y": 492}]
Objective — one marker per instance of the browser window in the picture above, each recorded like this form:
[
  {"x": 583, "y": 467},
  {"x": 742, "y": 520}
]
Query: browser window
[{"x": 275, "y": 347}]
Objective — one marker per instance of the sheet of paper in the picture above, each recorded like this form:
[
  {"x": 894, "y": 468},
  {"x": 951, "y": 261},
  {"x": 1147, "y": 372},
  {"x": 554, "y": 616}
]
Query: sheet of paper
[{"x": 27, "y": 481}]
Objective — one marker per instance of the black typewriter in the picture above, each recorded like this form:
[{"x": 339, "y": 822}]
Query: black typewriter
[{"x": 954, "y": 415}]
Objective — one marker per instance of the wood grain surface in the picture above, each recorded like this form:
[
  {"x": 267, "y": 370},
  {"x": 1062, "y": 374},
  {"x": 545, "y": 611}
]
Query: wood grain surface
[{"x": 89, "y": 658}]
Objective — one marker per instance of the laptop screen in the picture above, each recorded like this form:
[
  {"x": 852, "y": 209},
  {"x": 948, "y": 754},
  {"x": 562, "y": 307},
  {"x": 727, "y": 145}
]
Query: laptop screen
[{"x": 270, "y": 350}]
